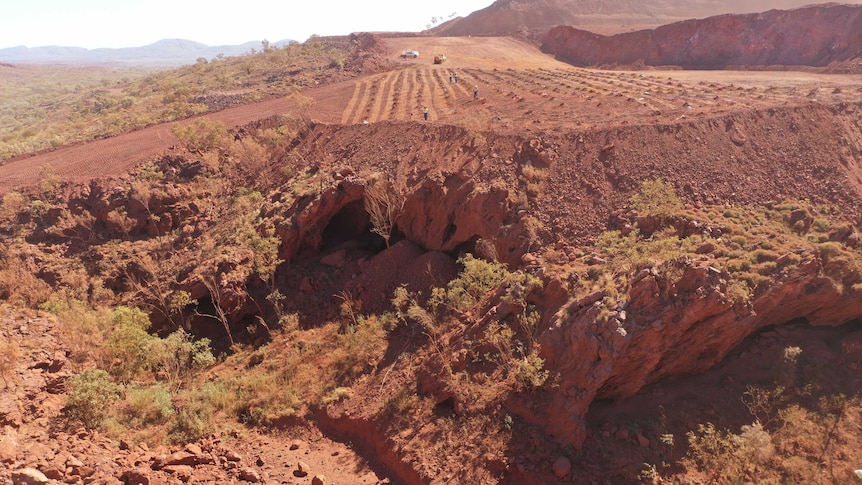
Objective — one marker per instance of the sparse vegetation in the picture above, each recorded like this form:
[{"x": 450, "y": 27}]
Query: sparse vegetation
[
  {"x": 37, "y": 112},
  {"x": 218, "y": 249},
  {"x": 91, "y": 397}
]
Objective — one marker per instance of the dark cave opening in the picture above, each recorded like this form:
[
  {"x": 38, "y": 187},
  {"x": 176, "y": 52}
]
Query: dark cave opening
[{"x": 351, "y": 224}]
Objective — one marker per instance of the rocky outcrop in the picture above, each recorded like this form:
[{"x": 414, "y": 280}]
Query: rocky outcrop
[
  {"x": 509, "y": 16},
  {"x": 833, "y": 33},
  {"x": 670, "y": 327}
]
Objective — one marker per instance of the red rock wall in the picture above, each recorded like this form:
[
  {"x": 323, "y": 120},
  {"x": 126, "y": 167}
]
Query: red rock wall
[{"x": 814, "y": 36}]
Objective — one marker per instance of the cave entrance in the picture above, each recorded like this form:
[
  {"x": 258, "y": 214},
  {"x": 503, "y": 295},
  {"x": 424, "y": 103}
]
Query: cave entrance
[{"x": 351, "y": 226}]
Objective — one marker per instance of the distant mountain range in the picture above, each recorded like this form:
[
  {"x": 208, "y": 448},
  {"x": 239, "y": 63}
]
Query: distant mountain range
[{"x": 167, "y": 52}]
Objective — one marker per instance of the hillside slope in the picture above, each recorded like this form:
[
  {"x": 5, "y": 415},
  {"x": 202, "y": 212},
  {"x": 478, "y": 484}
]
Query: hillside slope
[
  {"x": 509, "y": 16},
  {"x": 470, "y": 298},
  {"x": 832, "y": 34}
]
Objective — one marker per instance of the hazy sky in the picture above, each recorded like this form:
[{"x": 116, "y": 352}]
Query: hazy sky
[{"x": 133, "y": 23}]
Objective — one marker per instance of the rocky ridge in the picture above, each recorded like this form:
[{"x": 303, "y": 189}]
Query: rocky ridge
[{"x": 726, "y": 41}]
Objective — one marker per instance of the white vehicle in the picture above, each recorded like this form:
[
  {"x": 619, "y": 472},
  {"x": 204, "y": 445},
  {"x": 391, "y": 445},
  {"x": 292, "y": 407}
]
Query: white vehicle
[{"x": 411, "y": 53}]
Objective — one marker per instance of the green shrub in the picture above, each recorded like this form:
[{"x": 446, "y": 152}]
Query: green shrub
[
  {"x": 147, "y": 406},
  {"x": 476, "y": 279},
  {"x": 129, "y": 345},
  {"x": 656, "y": 198},
  {"x": 202, "y": 136},
  {"x": 91, "y": 396},
  {"x": 192, "y": 423},
  {"x": 179, "y": 354}
]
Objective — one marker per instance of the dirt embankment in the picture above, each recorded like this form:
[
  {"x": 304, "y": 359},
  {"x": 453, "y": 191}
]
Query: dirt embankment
[{"x": 833, "y": 33}]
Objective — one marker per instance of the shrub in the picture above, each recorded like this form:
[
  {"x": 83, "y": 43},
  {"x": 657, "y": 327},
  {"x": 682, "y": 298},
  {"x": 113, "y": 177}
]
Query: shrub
[
  {"x": 476, "y": 279},
  {"x": 91, "y": 396},
  {"x": 12, "y": 204},
  {"x": 179, "y": 354},
  {"x": 191, "y": 424},
  {"x": 146, "y": 406},
  {"x": 727, "y": 457},
  {"x": 656, "y": 198},
  {"x": 202, "y": 136},
  {"x": 129, "y": 345}
]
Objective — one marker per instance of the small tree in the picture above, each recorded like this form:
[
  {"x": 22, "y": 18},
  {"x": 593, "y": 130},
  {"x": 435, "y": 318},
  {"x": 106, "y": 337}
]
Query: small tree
[
  {"x": 179, "y": 354},
  {"x": 129, "y": 345},
  {"x": 215, "y": 290},
  {"x": 383, "y": 204}
]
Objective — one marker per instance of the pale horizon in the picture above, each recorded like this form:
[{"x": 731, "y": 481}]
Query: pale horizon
[{"x": 94, "y": 24}]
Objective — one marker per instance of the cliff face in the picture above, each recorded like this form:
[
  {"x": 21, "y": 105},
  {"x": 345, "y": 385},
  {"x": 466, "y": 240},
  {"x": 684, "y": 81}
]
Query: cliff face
[
  {"x": 814, "y": 36},
  {"x": 509, "y": 16},
  {"x": 669, "y": 328}
]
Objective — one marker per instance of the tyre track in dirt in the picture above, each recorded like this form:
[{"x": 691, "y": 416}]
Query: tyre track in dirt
[
  {"x": 398, "y": 97},
  {"x": 425, "y": 95},
  {"x": 351, "y": 111},
  {"x": 520, "y": 89},
  {"x": 383, "y": 104},
  {"x": 410, "y": 105}
]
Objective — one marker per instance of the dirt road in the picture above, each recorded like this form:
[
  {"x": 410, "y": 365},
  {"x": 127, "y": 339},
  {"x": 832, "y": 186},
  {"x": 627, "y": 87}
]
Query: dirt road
[{"x": 520, "y": 90}]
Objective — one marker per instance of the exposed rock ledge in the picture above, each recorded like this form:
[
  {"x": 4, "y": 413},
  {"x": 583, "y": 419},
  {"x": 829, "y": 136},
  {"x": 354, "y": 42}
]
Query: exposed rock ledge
[{"x": 668, "y": 328}]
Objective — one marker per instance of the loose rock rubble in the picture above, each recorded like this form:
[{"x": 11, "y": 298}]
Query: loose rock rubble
[{"x": 37, "y": 446}]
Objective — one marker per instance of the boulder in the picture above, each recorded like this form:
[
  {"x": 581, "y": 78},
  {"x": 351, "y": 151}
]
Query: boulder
[
  {"x": 249, "y": 475},
  {"x": 319, "y": 480},
  {"x": 9, "y": 446},
  {"x": 138, "y": 476},
  {"x": 302, "y": 469},
  {"x": 28, "y": 476},
  {"x": 562, "y": 467}
]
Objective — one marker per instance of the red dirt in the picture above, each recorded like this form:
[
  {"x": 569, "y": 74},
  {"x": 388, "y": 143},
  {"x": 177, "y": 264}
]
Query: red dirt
[
  {"x": 521, "y": 91},
  {"x": 719, "y": 137},
  {"x": 33, "y": 434}
]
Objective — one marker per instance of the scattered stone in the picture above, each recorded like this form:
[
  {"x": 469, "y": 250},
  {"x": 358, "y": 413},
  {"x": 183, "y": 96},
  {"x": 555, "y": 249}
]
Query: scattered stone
[
  {"x": 305, "y": 285},
  {"x": 302, "y": 469},
  {"x": 622, "y": 434},
  {"x": 250, "y": 475},
  {"x": 336, "y": 259},
  {"x": 562, "y": 467},
  {"x": 138, "y": 476},
  {"x": 194, "y": 449},
  {"x": 259, "y": 461},
  {"x": 295, "y": 444},
  {"x": 183, "y": 472},
  {"x": 54, "y": 473},
  {"x": 9, "y": 446},
  {"x": 642, "y": 440},
  {"x": 318, "y": 480},
  {"x": 28, "y": 476},
  {"x": 83, "y": 471},
  {"x": 186, "y": 458},
  {"x": 231, "y": 455}
]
